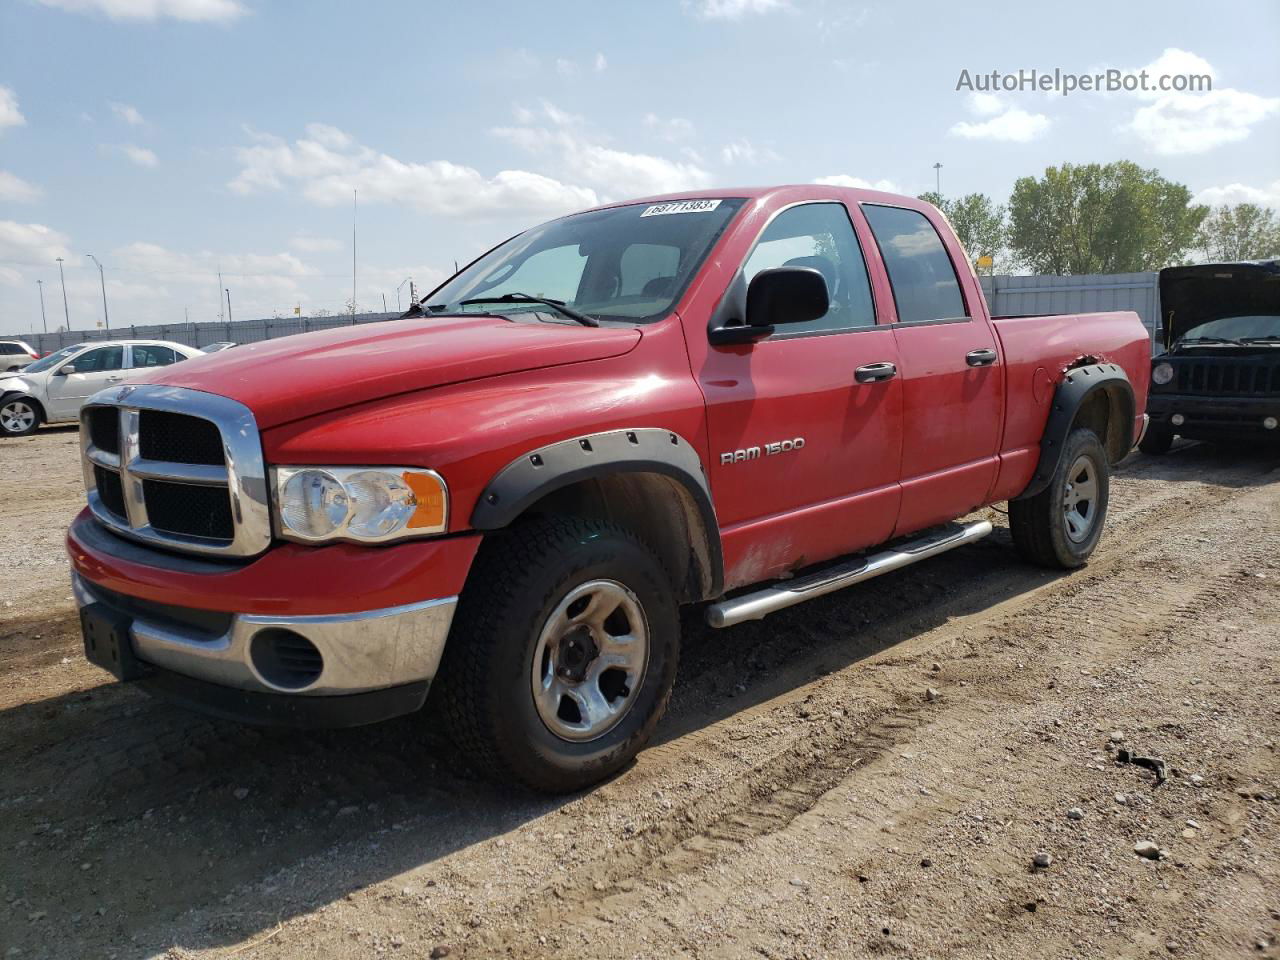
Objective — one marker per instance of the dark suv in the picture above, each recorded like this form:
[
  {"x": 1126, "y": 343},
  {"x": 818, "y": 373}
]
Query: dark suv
[{"x": 1219, "y": 377}]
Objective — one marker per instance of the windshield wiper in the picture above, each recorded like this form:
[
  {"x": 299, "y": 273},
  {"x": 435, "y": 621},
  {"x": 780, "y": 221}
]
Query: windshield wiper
[
  {"x": 559, "y": 305},
  {"x": 1208, "y": 340},
  {"x": 1269, "y": 338}
]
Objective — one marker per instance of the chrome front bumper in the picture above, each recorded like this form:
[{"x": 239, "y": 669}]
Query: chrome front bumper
[{"x": 361, "y": 652}]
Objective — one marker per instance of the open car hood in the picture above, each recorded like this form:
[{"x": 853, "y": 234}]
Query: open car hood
[{"x": 1190, "y": 296}]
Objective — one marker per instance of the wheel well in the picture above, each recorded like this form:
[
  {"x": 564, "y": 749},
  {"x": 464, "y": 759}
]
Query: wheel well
[
  {"x": 17, "y": 394},
  {"x": 659, "y": 509},
  {"x": 1107, "y": 411}
]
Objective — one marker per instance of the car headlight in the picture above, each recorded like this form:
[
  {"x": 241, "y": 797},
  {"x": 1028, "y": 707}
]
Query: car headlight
[
  {"x": 1162, "y": 373},
  {"x": 363, "y": 504}
]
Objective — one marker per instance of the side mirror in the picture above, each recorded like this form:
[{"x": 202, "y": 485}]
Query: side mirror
[
  {"x": 779, "y": 295},
  {"x": 65, "y": 369}
]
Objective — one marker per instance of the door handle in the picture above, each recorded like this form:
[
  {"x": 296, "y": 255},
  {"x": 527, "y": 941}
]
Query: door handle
[
  {"x": 875, "y": 372},
  {"x": 980, "y": 358},
  {"x": 114, "y": 379}
]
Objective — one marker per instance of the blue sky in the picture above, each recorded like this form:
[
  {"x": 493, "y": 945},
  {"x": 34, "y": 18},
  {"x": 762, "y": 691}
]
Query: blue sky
[{"x": 171, "y": 137}]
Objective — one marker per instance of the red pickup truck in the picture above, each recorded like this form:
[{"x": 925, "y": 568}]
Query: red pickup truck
[{"x": 742, "y": 399}]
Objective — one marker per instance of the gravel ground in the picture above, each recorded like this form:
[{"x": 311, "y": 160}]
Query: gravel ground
[{"x": 875, "y": 773}]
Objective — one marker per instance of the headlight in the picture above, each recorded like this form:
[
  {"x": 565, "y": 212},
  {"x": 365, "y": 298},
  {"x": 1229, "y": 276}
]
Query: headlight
[
  {"x": 1162, "y": 373},
  {"x": 364, "y": 504}
]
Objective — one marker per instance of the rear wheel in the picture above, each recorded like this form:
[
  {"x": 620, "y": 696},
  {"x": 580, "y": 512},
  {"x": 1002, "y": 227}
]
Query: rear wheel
[
  {"x": 563, "y": 655},
  {"x": 1157, "y": 440},
  {"x": 19, "y": 417},
  {"x": 1060, "y": 526}
]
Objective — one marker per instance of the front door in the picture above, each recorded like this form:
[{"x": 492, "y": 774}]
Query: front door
[
  {"x": 804, "y": 450},
  {"x": 75, "y": 382},
  {"x": 952, "y": 380}
]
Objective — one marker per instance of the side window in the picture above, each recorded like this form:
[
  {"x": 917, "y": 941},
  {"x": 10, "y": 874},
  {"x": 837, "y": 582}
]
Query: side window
[
  {"x": 924, "y": 281},
  {"x": 149, "y": 355},
  {"x": 555, "y": 273},
  {"x": 649, "y": 270},
  {"x": 100, "y": 360},
  {"x": 10, "y": 348},
  {"x": 820, "y": 236}
]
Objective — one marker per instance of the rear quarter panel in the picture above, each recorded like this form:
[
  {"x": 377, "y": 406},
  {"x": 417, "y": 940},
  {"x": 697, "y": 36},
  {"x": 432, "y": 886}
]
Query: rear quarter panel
[{"x": 1036, "y": 352}]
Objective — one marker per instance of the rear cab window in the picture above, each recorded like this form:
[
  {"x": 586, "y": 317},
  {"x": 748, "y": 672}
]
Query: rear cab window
[{"x": 924, "y": 281}]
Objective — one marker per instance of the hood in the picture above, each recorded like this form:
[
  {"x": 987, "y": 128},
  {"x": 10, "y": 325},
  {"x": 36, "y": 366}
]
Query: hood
[
  {"x": 312, "y": 373},
  {"x": 1190, "y": 296}
]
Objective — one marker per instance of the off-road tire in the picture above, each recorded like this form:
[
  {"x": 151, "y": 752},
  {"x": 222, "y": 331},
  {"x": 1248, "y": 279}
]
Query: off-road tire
[
  {"x": 1157, "y": 440},
  {"x": 37, "y": 417},
  {"x": 1039, "y": 524},
  {"x": 482, "y": 691}
]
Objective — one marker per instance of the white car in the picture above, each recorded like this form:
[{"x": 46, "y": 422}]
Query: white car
[
  {"x": 52, "y": 389},
  {"x": 16, "y": 354}
]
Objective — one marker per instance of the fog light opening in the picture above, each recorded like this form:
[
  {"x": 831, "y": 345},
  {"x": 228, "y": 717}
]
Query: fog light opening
[
  {"x": 1177, "y": 419},
  {"x": 285, "y": 659},
  {"x": 1270, "y": 423}
]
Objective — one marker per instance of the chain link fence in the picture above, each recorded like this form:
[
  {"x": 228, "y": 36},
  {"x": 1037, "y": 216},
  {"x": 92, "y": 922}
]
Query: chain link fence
[{"x": 199, "y": 334}]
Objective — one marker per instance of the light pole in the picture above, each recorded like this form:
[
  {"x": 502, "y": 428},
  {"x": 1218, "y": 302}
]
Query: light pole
[
  {"x": 101, "y": 279},
  {"x": 399, "y": 288},
  {"x": 937, "y": 172},
  {"x": 228, "y": 304},
  {"x": 66, "y": 312},
  {"x": 44, "y": 321}
]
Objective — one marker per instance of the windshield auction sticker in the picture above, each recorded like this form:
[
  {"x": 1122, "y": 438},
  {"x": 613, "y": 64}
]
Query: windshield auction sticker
[{"x": 680, "y": 206}]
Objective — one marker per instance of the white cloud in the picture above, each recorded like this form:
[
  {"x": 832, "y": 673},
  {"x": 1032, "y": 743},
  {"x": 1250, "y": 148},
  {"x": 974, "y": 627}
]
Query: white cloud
[
  {"x": 1267, "y": 195},
  {"x": 128, "y": 114},
  {"x": 10, "y": 115},
  {"x": 857, "y": 183},
  {"x": 140, "y": 156},
  {"x": 199, "y": 11},
  {"x": 1004, "y": 122},
  {"x": 310, "y": 244},
  {"x": 743, "y": 151},
  {"x": 327, "y": 165},
  {"x": 600, "y": 64},
  {"x": 31, "y": 243},
  {"x": 673, "y": 130},
  {"x": 1172, "y": 123},
  {"x": 16, "y": 190},
  {"x": 617, "y": 173},
  {"x": 733, "y": 9}
]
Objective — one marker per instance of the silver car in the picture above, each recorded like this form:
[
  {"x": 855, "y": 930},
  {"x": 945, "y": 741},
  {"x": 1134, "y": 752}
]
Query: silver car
[
  {"x": 53, "y": 388},
  {"x": 16, "y": 354}
]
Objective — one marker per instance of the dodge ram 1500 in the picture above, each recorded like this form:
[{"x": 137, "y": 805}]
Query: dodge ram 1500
[{"x": 742, "y": 399}]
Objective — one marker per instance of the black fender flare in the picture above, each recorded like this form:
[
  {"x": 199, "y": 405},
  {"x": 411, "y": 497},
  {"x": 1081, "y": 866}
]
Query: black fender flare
[
  {"x": 532, "y": 476},
  {"x": 1079, "y": 384}
]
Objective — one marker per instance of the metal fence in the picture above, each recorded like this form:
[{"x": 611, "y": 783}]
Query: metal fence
[
  {"x": 1006, "y": 295},
  {"x": 201, "y": 334},
  {"x": 1089, "y": 293}
]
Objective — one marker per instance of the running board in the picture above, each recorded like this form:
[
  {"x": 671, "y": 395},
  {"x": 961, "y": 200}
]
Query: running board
[{"x": 761, "y": 603}]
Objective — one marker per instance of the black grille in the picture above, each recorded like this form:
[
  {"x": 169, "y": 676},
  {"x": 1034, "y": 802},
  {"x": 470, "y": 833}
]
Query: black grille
[
  {"x": 178, "y": 438},
  {"x": 189, "y": 510},
  {"x": 1238, "y": 377},
  {"x": 104, "y": 428},
  {"x": 110, "y": 490}
]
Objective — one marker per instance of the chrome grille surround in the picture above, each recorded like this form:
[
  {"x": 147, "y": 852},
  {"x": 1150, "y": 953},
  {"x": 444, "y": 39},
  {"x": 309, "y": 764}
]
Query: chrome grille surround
[{"x": 243, "y": 474}]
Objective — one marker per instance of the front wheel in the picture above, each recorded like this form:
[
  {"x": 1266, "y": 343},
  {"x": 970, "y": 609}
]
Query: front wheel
[
  {"x": 1060, "y": 526},
  {"x": 19, "y": 417},
  {"x": 563, "y": 654}
]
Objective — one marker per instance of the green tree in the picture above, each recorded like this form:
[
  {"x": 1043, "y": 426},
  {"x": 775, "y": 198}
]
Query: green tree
[
  {"x": 1245, "y": 231},
  {"x": 978, "y": 221},
  {"x": 1101, "y": 218}
]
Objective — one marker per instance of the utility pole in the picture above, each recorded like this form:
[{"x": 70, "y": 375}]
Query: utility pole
[
  {"x": 66, "y": 312},
  {"x": 398, "y": 289},
  {"x": 384, "y": 303},
  {"x": 44, "y": 321},
  {"x": 355, "y": 195},
  {"x": 937, "y": 172},
  {"x": 105, "y": 317},
  {"x": 221, "y": 315},
  {"x": 228, "y": 304}
]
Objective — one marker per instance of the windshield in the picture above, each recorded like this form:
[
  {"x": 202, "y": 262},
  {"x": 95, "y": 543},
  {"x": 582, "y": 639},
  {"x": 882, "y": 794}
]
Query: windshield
[
  {"x": 1252, "y": 327},
  {"x": 53, "y": 359},
  {"x": 626, "y": 263}
]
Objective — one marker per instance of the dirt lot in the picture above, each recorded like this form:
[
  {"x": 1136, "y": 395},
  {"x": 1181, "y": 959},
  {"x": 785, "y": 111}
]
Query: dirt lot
[{"x": 808, "y": 797}]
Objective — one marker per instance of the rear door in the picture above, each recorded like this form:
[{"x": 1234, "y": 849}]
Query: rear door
[
  {"x": 804, "y": 457},
  {"x": 952, "y": 378},
  {"x": 152, "y": 355},
  {"x": 93, "y": 371}
]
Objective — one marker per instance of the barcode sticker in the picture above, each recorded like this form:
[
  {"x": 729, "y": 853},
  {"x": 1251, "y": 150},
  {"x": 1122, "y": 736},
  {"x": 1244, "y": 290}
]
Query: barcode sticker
[{"x": 680, "y": 206}]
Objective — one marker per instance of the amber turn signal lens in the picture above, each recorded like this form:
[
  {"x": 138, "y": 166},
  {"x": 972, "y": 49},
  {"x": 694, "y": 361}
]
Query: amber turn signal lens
[{"x": 429, "y": 498}]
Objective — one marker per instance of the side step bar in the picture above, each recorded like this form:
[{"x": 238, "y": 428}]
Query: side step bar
[{"x": 761, "y": 603}]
